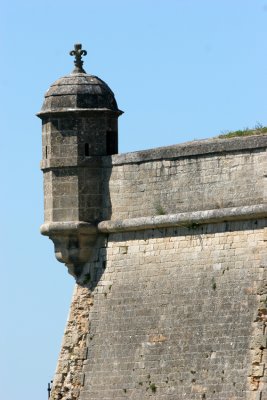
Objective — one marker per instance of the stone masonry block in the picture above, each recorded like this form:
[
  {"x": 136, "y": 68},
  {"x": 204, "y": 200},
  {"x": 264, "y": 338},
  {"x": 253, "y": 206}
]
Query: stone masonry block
[{"x": 259, "y": 342}]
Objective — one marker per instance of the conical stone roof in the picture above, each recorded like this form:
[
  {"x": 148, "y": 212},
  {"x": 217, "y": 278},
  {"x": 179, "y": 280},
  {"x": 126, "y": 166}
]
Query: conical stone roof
[{"x": 78, "y": 91}]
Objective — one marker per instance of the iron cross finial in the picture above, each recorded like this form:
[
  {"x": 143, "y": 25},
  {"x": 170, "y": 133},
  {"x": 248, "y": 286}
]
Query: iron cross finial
[{"x": 78, "y": 52}]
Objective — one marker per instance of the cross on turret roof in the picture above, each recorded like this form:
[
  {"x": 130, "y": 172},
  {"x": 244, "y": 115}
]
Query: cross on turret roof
[{"x": 78, "y": 52}]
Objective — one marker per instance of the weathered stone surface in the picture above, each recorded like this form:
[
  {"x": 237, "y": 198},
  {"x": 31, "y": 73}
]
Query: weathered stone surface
[
  {"x": 194, "y": 148},
  {"x": 74, "y": 243},
  {"x": 69, "y": 377},
  {"x": 78, "y": 91},
  {"x": 205, "y": 175},
  {"x": 173, "y": 310},
  {"x": 179, "y": 299},
  {"x": 190, "y": 220}
]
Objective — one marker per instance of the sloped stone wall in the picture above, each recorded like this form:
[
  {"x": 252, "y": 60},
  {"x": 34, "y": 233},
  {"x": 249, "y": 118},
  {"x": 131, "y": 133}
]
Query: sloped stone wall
[
  {"x": 69, "y": 377},
  {"x": 178, "y": 314}
]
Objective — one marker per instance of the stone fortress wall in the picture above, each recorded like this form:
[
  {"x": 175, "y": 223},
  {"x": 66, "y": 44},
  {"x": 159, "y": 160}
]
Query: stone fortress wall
[{"x": 172, "y": 304}]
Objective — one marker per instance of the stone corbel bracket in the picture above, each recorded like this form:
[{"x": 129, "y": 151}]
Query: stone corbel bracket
[{"x": 74, "y": 243}]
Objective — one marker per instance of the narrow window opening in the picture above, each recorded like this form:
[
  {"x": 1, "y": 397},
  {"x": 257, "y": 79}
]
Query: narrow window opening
[
  {"x": 111, "y": 143},
  {"x": 86, "y": 149},
  {"x": 46, "y": 152}
]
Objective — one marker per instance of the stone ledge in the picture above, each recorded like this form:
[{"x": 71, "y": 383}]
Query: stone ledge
[
  {"x": 80, "y": 111},
  {"x": 71, "y": 162},
  {"x": 195, "y": 148},
  {"x": 186, "y": 219},
  {"x": 68, "y": 227}
]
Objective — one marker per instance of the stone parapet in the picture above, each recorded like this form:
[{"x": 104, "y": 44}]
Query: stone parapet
[
  {"x": 193, "y": 148},
  {"x": 195, "y": 176}
]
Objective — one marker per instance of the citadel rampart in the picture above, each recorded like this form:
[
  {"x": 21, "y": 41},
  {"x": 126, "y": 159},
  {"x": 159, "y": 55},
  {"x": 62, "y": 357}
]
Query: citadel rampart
[
  {"x": 168, "y": 249},
  {"x": 175, "y": 312}
]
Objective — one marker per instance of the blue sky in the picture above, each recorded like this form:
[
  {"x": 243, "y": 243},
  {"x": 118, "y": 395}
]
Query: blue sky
[{"x": 180, "y": 69}]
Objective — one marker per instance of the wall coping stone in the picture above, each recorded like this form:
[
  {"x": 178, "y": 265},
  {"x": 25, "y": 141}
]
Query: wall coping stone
[
  {"x": 193, "y": 148},
  {"x": 187, "y": 219}
]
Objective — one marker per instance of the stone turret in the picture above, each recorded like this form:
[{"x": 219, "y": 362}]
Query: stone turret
[{"x": 79, "y": 126}]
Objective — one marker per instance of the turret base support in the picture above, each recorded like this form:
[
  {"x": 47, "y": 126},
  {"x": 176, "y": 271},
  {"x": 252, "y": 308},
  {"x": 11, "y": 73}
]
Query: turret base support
[{"x": 74, "y": 243}]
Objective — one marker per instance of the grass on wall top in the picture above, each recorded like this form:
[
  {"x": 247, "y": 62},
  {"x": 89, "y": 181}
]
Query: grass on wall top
[{"x": 257, "y": 130}]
